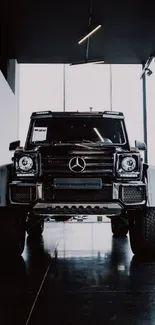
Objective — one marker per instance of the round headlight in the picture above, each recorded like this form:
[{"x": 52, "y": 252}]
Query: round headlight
[
  {"x": 25, "y": 163},
  {"x": 128, "y": 164}
]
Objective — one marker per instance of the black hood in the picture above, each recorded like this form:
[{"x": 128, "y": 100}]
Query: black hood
[{"x": 66, "y": 148}]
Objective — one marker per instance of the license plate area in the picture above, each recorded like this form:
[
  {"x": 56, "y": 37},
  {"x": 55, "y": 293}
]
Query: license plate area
[{"x": 78, "y": 183}]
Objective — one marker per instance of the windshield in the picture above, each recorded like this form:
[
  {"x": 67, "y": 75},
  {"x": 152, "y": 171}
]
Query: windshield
[{"x": 88, "y": 130}]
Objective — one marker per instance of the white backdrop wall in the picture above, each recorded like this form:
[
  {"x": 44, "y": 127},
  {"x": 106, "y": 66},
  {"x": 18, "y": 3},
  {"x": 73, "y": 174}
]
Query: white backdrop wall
[
  {"x": 41, "y": 88},
  {"x": 87, "y": 85},
  {"x": 127, "y": 98},
  {"x": 8, "y": 120}
]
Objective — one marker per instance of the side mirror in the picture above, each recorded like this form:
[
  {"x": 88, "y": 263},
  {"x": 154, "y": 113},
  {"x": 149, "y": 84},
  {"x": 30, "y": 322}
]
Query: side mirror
[
  {"x": 140, "y": 145},
  {"x": 14, "y": 145}
]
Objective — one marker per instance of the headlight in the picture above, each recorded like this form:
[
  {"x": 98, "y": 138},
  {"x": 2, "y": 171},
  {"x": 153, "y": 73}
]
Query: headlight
[
  {"x": 25, "y": 163},
  {"x": 128, "y": 164}
]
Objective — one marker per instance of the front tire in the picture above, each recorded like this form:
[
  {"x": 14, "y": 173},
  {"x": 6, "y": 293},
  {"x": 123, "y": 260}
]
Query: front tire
[
  {"x": 119, "y": 227},
  {"x": 142, "y": 232},
  {"x": 35, "y": 226}
]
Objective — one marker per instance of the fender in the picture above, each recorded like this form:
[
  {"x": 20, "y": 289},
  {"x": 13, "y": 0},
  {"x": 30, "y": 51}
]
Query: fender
[
  {"x": 5, "y": 179},
  {"x": 149, "y": 179}
]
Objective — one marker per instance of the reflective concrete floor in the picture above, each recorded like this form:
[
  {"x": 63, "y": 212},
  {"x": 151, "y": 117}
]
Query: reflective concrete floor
[{"x": 77, "y": 274}]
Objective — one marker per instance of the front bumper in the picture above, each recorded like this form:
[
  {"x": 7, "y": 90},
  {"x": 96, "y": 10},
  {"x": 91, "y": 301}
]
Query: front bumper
[
  {"x": 88, "y": 208},
  {"x": 116, "y": 197}
]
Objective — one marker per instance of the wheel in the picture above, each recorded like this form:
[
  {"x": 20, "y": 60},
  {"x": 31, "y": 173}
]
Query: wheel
[
  {"x": 35, "y": 225},
  {"x": 142, "y": 232},
  {"x": 12, "y": 231},
  {"x": 119, "y": 227}
]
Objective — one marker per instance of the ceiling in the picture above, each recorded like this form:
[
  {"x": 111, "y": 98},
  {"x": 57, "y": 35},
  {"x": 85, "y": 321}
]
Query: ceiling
[{"x": 48, "y": 31}]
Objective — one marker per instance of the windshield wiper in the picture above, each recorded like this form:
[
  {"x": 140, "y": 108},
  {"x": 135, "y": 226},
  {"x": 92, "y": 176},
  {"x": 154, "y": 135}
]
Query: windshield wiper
[
  {"x": 81, "y": 144},
  {"x": 88, "y": 141}
]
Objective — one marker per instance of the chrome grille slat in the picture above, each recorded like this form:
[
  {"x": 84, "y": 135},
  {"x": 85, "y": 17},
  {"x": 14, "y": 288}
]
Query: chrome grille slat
[
  {"x": 91, "y": 153},
  {"x": 84, "y": 157},
  {"x": 88, "y": 164},
  {"x": 99, "y": 164},
  {"x": 67, "y": 171}
]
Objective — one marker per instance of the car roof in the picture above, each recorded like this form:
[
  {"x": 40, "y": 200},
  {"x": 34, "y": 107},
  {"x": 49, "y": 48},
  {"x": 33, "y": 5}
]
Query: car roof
[{"x": 50, "y": 114}]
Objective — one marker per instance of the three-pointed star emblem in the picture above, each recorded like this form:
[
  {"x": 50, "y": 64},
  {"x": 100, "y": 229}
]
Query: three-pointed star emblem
[{"x": 77, "y": 165}]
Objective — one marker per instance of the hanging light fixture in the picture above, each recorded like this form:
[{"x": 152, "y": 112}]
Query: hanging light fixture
[
  {"x": 88, "y": 62},
  {"x": 89, "y": 34}
]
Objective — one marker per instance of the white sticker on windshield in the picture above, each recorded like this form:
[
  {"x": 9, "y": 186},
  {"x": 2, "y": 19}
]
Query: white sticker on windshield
[{"x": 39, "y": 134}]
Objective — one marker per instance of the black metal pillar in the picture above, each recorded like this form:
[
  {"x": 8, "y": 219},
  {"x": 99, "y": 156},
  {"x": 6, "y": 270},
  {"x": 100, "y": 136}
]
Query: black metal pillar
[
  {"x": 11, "y": 74},
  {"x": 145, "y": 116},
  {"x": 3, "y": 50},
  {"x": 64, "y": 87},
  {"x": 111, "y": 94}
]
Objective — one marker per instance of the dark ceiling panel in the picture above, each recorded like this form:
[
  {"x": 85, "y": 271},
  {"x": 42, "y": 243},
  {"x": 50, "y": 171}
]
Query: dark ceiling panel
[{"x": 48, "y": 31}]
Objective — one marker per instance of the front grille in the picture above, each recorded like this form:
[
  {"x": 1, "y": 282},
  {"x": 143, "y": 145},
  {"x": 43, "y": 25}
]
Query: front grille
[
  {"x": 103, "y": 195},
  {"x": 22, "y": 194},
  {"x": 133, "y": 194},
  {"x": 96, "y": 162}
]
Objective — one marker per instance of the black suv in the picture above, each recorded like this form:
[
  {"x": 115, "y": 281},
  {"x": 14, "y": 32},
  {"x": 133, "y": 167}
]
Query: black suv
[{"x": 77, "y": 166}]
